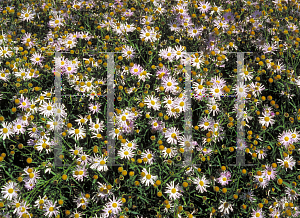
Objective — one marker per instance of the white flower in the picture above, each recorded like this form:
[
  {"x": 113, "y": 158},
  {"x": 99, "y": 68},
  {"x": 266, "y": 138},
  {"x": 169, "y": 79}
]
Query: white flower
[
  {"x": 169, "y": 152},
  {"x": 172, "y": 135},
  {"x": 113, "y": 205},
  {"x": 153, "y": 102},
  {"x": 78, "y": 133},
  {"x": 173, "y": 191},
  {"x": 51, "y": 209},
  {"x": 148, "y": 178},
  {"x": 5, "y": 52},
  {"x": 99, "y": 163},
  {"x": 9, "y": 190},
  {"x": 201, "y": 183},
  {"x": 125, "y": 152},
  {"x": 267, "y": 119},
  {"x": 287, "y": 162},
  {"x": 225, "y": 207}
]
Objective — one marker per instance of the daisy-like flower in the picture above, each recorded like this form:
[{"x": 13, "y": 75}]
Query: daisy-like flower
[
  {"x": 27, "y": 15},
  {"x": 19, "y": 126},
  {"x": 216, "y": 9},
  {"x": 241, "y": 90},
  {"x": 268, "y": 48},
  {"x": 149, "y": 155},
  {"x": 225, "y": 207},
  {"x": 130, "y": 144},
  {"x": 291, "y": 193},
  {"x": 202, "y": 183},
  {"x": 85, "y": 35},
  {"x": 5, "y": 52},
  {"x": 44, "y": 144},
  {"x": 32, "y": 175},
  {"x": 204, "y": 7},
  {"x": 169, "y": 83},
  {"x": 99, "y": 163},
  {"x": 172, "y": 135},
  {"x": 261, "y": 153},
  {"x": 82, "y": 120},
  {"x": 125, "y": 153},
  {"x": 199, "y": 90},
  {"x": 76, "y": 214},
  {"x": 114, "y": 206},
  {"x": 94, "y": 108},
  {"x": 83, "y": 158},
  {"x": 266, "y": 119},
  {"x": 295, "y": 135},
  {"x": 175, "y": 192},
  {"x": 169, "y": 152},
  {"x": 167, "y": 54},
  {"x": 249, "y": 196},
  {"x": 81, "y": 200},
  {"x": 29, "y": 185},
  {"x": 80, "y": 173},
  {"x": 257, "y": 213},
  {"x": 47, "y": 109},
  {"x": 197, "y": 61},
  {"x": 3, "y": 76},
  {"x": 153, "y": 102},
  {"x": 69, "y": 42},
  {"x": 285, "y": 138},
  {"x": 224, "y": 178},
  {"x": 216, "y": 91},
  {"x": 136, "y": 69},
  {"x": 221, "y": 24},
  {"x": 103, "y": 192},
  {"x": 262, "y": 181},
  {"x": 6, "y": 131},
  {"x": 148, "y": 34},
  {"x": 169, "y": 102},
  {"x": 256, "y": 88},
  {"x": 147, "y": 178},
  {"x": 78, "y": 133},
  {"x": 97, "y": 126},
  {"x": 37, "y": 59},
  {"x": 270, "y": 172},
  {"x": 287, "y": 162},
  {"x": 128, "y": 52},
  {"x": 179, "y": 52},
  {"x": 56, "y": 21},
  {"x": 159, "y": 9},
  {"x": 9, "y": 190},
  {"x": 169, "y": 207},
  {"x": 213, "y": 106},
  {"x": 28, "y": 41},
  {"x": 51, "y": 209}
]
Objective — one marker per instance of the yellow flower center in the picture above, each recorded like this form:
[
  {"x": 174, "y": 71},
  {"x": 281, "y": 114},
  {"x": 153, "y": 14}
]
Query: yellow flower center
[
  {"x": 173, "y": 190},
  {"x": 114, "y": 205},
  {"x": 102, "y": 162},
  {"x": 5, "y": 130},
  {"x": 153, "y": 102},
  {"x": 201, "y": 183},
  {"x": 77, "y": 131},
  {"x": 10, "y": 190},
  {"x": 169, "y": 84},
  {"x": 168, "y": 150},
  {"x": 267, "y": 119},
  {"x": 19, "y": 126},
  {"x": 126, "y": 152},
  {"x": 49, "y": 108},
  {"x": 148, "y": 176}
]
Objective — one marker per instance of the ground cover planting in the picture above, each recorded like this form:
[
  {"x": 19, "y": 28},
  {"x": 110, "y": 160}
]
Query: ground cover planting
[{"x": 150, "y": 108}]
